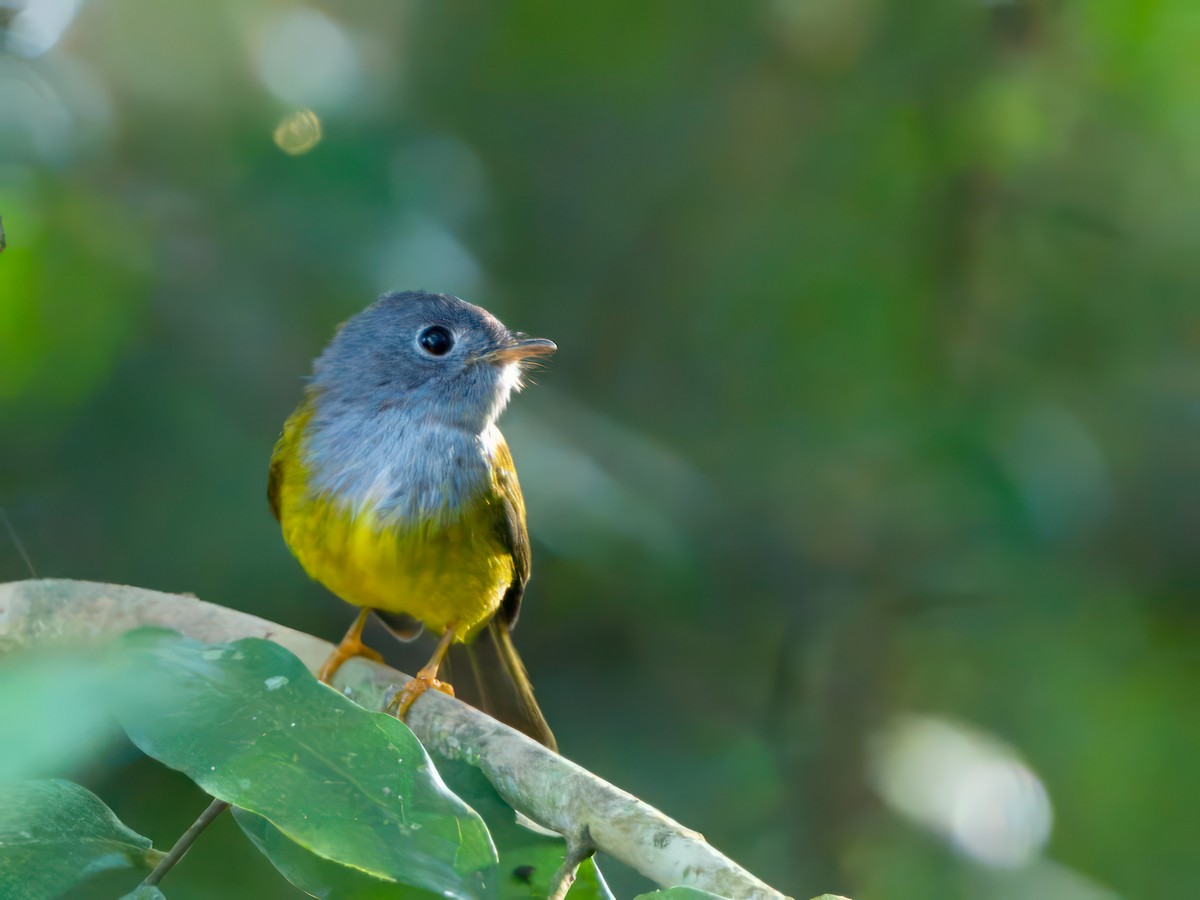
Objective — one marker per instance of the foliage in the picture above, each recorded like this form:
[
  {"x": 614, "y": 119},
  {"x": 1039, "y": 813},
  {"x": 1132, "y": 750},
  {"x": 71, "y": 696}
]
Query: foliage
[
  {"x": 344, "y": 802},
  {"x": 249, "y": 724},
  {"x": 145, "y": 892},
  {"x": 528, "y": 859},
  {"x": 54, "y": 834},
  {"x": 59, "y": 723}
]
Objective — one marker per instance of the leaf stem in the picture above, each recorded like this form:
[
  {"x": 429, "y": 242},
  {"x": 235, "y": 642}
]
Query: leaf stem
[{"x": 185, "y": 842}]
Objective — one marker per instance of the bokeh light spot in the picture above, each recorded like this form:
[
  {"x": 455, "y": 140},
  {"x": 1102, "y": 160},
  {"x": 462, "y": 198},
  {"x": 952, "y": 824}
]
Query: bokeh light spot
[
  {"x": 307, "y": 59},
  {"x": 965, "y": 785},
  {"x": 39, "y": 24},
  {"x": 298, "y": 132}
]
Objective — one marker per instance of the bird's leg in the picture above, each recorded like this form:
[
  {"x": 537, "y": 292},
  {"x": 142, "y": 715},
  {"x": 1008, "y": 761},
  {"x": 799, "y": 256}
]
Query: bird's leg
[
  {"x": 350, "y": 647},
  {"x": 426, "y": 678}
]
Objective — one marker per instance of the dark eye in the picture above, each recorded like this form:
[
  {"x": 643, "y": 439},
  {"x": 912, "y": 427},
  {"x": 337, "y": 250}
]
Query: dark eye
[{"x": 436, "y": 340}]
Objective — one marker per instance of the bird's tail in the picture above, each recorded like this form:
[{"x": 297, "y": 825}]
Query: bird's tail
[{"x": 493, "y": 678}]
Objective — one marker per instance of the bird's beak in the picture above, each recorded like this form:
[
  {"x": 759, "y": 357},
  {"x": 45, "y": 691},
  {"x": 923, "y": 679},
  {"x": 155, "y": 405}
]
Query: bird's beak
[{"x": 521, "y": 349}]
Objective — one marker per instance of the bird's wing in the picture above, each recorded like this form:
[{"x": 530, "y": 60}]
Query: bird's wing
[
  {"x": 512, "y": 530},
  {"x": 501, "y": 684},
  {"x": 274, "y": 483},
  {"x": 285, "y": 450}
]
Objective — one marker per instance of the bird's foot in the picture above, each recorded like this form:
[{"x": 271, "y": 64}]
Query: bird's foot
[
  {"x": 347, "y": 649},
  {"x": 425, "y": 680}
]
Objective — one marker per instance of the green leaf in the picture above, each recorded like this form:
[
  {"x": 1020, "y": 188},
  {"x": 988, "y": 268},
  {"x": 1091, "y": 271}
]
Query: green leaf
[
  {"x": 249, "y": 724},
  {"x": 528, "y": 859},
  {"x": 54, "y": 834},
  {"x": 52, "y": 724},
  {"x": 680, "y": 893},
  {"x": 145, "y": 892},
  {"x": 323, "y": 877}
]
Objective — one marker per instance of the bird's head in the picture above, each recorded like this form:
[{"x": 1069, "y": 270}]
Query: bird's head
[{"x": 432, "y": 354}]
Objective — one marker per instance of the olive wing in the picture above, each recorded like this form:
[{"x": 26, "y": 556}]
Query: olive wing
[{"x": 511, "y": 526}]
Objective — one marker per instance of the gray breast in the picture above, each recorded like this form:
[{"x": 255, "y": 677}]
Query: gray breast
[{"x": 404, "y": 468}]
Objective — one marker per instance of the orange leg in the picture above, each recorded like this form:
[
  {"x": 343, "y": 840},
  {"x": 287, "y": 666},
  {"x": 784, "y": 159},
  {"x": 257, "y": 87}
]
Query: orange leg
[
  {"x": 426, "y": 678},
  {"x": 350, "y": 647}
]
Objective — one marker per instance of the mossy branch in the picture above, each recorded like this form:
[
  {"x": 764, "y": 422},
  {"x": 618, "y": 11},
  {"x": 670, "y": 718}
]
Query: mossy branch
[{"x": 550, "y": 789}]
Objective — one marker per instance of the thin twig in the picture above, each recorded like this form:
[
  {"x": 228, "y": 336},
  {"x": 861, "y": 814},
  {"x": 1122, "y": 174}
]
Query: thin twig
[
  {"x": 12, "y": 532},
  {"x": 550, "y": 789},
  {"x": 185, "y": 842},
  {"x": 578, "y": 849}
]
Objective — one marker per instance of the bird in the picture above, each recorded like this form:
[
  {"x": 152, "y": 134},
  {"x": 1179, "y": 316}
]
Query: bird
[{"x": 395, "y": 489}]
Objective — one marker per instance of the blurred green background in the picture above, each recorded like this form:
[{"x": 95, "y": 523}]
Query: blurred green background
[{"x": 863, "y": 490}]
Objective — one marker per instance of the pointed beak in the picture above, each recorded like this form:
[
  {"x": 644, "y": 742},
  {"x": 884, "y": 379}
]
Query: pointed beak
[{"x": 520, "y": 348}]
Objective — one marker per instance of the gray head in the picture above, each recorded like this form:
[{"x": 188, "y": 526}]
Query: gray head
[{"x": 440, "y": 357}]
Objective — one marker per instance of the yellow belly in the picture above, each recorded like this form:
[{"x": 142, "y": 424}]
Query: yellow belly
[{"x": 449, "y": 573}]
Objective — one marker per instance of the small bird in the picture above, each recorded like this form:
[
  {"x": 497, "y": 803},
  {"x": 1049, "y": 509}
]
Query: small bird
[{"x": 395, "y": 489}]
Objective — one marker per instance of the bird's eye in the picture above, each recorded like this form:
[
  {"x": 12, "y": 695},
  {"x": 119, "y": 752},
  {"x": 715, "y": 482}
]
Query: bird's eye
[{"x": 436, "y": 340}]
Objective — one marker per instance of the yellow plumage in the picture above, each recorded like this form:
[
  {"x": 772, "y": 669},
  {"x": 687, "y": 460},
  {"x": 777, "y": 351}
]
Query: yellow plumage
[{"x": 447, "y": 573}]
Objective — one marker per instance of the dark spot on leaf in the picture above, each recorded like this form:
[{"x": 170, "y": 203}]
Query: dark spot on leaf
[{"x": 523, "y": 874}]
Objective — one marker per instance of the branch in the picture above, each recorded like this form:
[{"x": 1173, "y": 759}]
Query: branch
[{"x": 546, "y": 787}]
